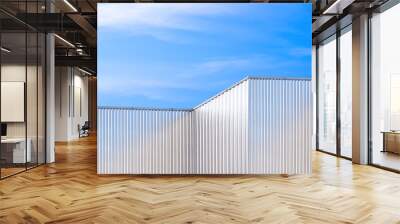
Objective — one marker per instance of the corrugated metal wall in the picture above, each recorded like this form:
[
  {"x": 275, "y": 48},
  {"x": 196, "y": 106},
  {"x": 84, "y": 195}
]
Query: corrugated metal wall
[
  {"x": 221, "y": 141},
  {"x": 143, "y": 141},
  {"x": 280, "y": 126},
  {"x": 258, "y": 126}
]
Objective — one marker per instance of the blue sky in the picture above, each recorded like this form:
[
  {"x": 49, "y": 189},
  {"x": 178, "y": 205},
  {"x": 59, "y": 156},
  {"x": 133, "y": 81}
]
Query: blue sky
[{"x": 178, "y": 55}]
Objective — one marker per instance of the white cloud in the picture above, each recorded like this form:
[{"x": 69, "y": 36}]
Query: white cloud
[
  {"x": 195, "y": 77},
  {"x": 132, "y": 83},
  {"x": 149, "y": 87},
  {"x": 167, "y": 16},
  {"x": 219, "y": 65},
  {"x": 155, "y": 86}
]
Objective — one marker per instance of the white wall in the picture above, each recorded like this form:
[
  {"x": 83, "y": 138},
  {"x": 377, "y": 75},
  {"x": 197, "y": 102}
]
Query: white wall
[
  {"x": 33, "y": 127},
  {"x": 80, "y": 104},
  {"x": 15, "y": 72},
  {"x": 62, "y": 81},
  {"x": 70, "y": 84}
]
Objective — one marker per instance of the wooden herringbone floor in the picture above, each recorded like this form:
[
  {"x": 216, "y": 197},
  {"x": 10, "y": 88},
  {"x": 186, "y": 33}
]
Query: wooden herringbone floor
[{"x": 69, "y": 191}]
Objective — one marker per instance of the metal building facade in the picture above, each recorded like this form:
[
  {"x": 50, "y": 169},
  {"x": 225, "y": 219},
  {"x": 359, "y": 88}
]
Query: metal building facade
[
  {"x": 280, "y": 126},
  {"x": 258, "y": 126},
  {"x": 143, "y": 141},
  {"x": 221, "y": 132}
]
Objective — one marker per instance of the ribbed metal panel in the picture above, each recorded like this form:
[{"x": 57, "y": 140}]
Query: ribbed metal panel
[
  {"x": 221, "y": 130},
  {"x": 280, "y": 126},
  {"x": 258, "y": 126},
  {"x": 144, "y": 141}
]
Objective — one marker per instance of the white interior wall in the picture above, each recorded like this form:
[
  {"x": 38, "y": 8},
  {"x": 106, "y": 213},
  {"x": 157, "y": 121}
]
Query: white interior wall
[
  {"x": 80, "y": 104},
  {"x": 71, "y": 87},
  {"x": 34, "y": 105},
  {"x": 62, "y": 81},
  {"x": 16, "y": 72}
]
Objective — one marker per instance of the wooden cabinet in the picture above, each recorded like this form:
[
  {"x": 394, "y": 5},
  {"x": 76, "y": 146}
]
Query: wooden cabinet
[{"x": 391, "y": 142}]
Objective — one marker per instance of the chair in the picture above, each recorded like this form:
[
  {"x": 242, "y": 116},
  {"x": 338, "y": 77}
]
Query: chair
[{"x": 84, "y": 130}]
